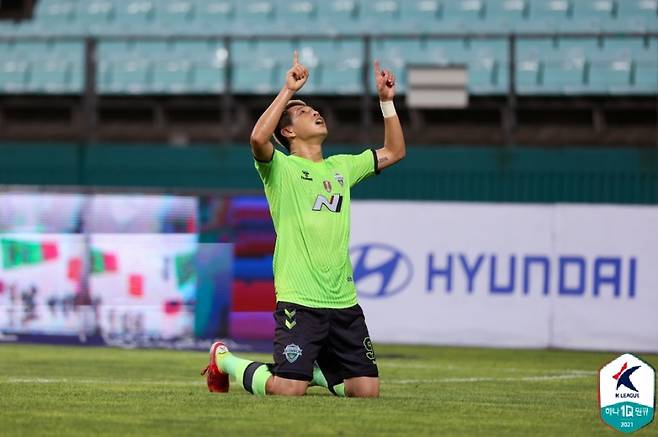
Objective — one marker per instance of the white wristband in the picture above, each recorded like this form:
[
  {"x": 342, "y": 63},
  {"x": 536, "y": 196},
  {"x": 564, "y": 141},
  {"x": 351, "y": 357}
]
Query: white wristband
[{"x": 388, "y": 108}]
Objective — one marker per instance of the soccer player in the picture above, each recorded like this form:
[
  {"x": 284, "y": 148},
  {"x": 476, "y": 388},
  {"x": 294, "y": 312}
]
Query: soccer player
[{"x": 317, "y": 316}]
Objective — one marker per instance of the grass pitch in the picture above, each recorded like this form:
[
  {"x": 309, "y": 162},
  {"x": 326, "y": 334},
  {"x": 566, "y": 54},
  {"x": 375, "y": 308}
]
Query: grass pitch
[{"x": 69, "y": 391}]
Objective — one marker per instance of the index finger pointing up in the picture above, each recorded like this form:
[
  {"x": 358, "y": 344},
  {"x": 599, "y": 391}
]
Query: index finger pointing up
[
  {"x": 378, "y": 70},
  {"x": 295, "y": 58}
]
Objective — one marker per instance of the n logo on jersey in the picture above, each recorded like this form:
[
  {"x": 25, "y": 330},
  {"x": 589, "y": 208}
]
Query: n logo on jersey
[{"x": 333, "y": 204}]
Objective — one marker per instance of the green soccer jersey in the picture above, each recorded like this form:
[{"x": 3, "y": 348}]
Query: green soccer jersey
[{"x": 310, "y": 206}]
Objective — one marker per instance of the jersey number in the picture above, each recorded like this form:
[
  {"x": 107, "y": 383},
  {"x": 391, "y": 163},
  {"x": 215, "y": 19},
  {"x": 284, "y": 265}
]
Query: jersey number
[{"x": 333, "y": 204}]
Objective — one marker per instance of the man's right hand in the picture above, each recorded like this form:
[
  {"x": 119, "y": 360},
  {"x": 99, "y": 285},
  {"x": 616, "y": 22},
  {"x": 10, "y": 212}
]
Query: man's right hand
[{"x": 297, "y": 75}]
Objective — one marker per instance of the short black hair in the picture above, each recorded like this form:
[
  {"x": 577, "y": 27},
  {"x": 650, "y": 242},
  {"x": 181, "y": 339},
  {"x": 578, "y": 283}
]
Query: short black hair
[{"x": 286, "y": 120}]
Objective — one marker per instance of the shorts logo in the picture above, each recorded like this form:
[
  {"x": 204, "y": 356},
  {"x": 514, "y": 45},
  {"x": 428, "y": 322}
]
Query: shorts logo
[
  {"x": 292, "y": 352},
  {"x": 290, "y": 318},
  {"x": 370, "y": 352}
]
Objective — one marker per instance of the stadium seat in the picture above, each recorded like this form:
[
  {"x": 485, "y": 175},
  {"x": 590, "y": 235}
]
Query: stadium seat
[
  {"x": 13, "y": 74},
  {"x": 446, "y": 51},
  {"x": 530, "y": 63},
  {"x": 213, "y": 16},
  {"x": 134, "y": 15},
  {"x": 506, "y": 15},
  {"x": 339, "y": 16},
  {"x": 488, "y": 66},
  {"x": 421, "y": 15},
  {"x": 174, "y": 16},
  {"x": 297, "y": 16},
  {"x": 593, "y": 15},
  {"x": 254, "y": 17},
  {"x": 95, "y": 16},
  {"x": 49, "y": 75},
  {"x": 637, "y": 16},
  {"x": 645, "y": 77},
  {"x": 382, "y": 16},
  {"x": 56, "y": 16},
  {"x": 550, "y": 15},
  {"x": 463, "y": 15}
]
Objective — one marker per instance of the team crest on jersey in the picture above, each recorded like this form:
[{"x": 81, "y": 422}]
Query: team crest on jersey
[
  {"x": 327, "y": 186},
  {"x": 339, "y": 178},
  {"x": 292, "y": 352},
  {"x": 306, "y": 176}
]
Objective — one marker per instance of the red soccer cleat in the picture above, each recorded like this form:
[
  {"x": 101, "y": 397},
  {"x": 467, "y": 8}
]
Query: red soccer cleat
[{"x": 216, "y": 379}]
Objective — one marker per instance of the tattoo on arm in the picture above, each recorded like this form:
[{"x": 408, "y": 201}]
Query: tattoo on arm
[{"x": 382, "y": 159}]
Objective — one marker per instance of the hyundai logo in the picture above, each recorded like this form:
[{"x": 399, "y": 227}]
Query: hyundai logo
[{"x": 380, "y": 270}]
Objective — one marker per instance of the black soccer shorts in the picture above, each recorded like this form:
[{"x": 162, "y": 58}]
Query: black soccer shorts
[{"x": 337, "y": 339}]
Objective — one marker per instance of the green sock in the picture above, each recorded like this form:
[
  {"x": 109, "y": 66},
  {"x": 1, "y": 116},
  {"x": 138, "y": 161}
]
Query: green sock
[
  {"x": 339, "y": 390},
  {"x": 251, "y": 375},
  {"x": 319, "y": 379}
]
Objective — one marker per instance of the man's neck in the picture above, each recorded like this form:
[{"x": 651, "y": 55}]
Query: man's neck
[{"x": 310, "y": 151}]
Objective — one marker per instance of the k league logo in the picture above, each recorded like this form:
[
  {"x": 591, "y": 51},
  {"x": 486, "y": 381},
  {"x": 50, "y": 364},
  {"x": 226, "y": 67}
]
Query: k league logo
[
  {"x": 380, "y": 270},
  {"x": 627, "y": 393}
]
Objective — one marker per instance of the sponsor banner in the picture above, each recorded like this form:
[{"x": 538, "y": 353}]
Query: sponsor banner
[
  {"x": 145, "y": 282},
  {"x": 507, "y": 275},
  {"x": 37, "y": 282}
]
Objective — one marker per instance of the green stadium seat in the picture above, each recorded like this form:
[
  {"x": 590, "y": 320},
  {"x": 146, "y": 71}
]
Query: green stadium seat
[
  {"x": 627, "y": 48},
  {"x": 488, "y": 66},
  {"x": 506, "y": 15},
  {"x": 343, "y": 77},
  {"x": 96, "y": 16},
  {"x": 254, "y": 17},
  {"x": 549, "y": 15},
  {"x": 421, "y": 15},
  {"x": 50, "y": 75},
  {"x": 208, "y": 64},
  {"x": 564, "y": 76},
  {"x": 153, "y": 50},
  {"x": 637, "y": 16},
  {"x": 132, "y": 76},
  {"x": 339, "y": 16},
  {"x": 645, "y": 78},
  {"x": 593, "y": 15},
  {"x": 397, "y": 54},
  {"x": 382, "y": 16},
  {"x": 256, "y": 77},
  {"x": 574, "y": 47},
  {"x": 174, "y": 12},
  {"x": 463, "y": 15},
  {"x": 297, "y": 16},
  {"x": 173, "y": 76},
  {"x": 56, "y": 16},
  {"x": 314, "y": 51},
  {"x": 134, "y": 16},
  {"x": 446, "y": 51},
  {"x": 612, "y": 77},
  {"x": 214, "y": 16},
  {"x": 13, "y": 74}
]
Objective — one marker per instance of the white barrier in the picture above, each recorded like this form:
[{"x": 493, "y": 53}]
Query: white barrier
[{"x": 501, "y": 275}]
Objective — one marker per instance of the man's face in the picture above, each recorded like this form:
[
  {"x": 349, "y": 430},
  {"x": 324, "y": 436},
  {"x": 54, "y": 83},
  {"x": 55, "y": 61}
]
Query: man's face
[{"x": 307, "y": 123}]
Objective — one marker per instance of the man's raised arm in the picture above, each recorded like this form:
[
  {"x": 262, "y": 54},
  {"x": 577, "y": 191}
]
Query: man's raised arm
[
  {"x": 394, "y": 147},
  {"x": 261, "y": 146}
]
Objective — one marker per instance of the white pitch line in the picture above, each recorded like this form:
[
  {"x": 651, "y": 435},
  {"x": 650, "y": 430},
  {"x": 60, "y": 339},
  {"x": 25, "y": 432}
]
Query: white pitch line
[
  {"x": 96, "y": 381},
  {"x": 412, "y": 365},
  {"x": 574, "y": 375},
  {"x": 492, "y": 379}
]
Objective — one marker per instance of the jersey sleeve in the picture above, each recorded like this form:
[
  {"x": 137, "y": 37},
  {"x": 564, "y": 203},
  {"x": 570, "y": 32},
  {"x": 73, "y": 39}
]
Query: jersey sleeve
[
  {"x": 361, "y": 166},
  {"x": 271, "y": 172}
]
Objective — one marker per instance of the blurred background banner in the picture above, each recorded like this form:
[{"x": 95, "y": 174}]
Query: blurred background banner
[
  {"x": 131, "y": 213},
  {"x": 566, "y": 276}
]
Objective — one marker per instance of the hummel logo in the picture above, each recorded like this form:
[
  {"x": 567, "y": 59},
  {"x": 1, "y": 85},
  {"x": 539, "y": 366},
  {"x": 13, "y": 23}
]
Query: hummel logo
[{"x": 305, "y": 176}]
